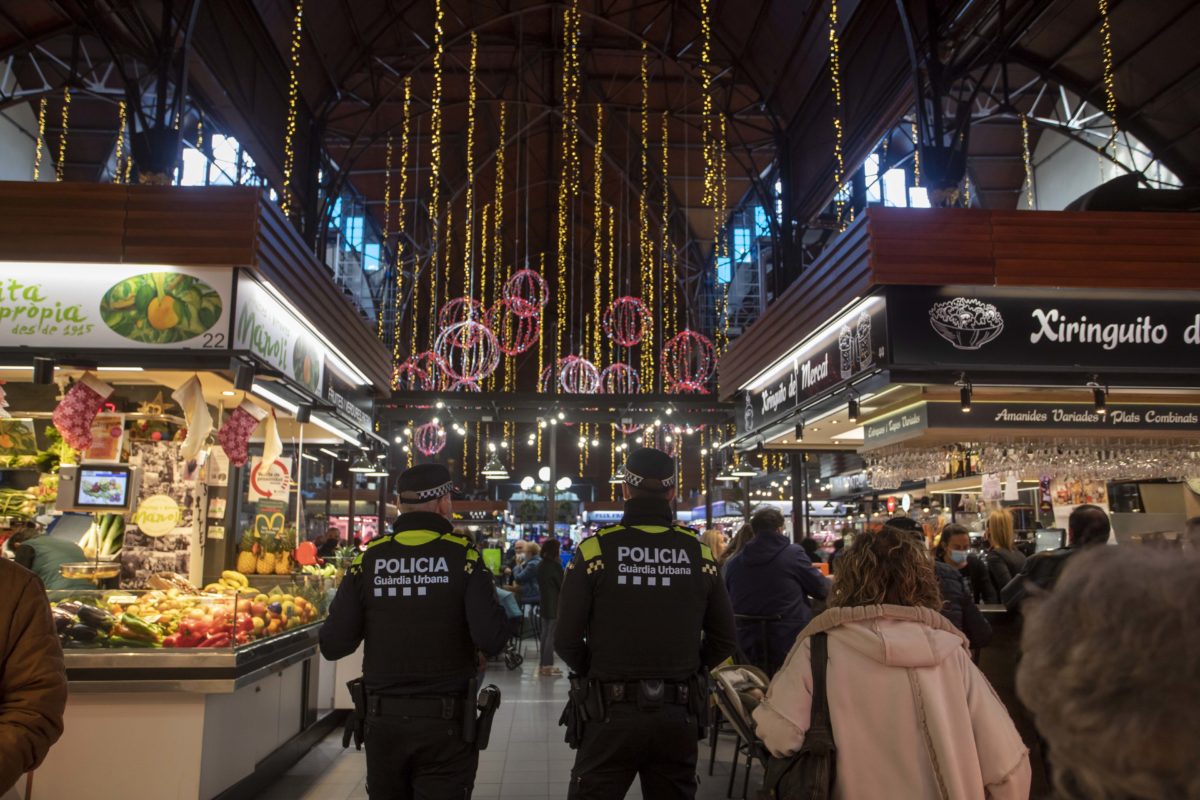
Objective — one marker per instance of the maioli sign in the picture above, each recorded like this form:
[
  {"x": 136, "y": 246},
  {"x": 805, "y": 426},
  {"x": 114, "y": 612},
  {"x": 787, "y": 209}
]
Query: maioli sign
[
  {"x": 269, "y": 331},
  {"x": 81, "y": 306},
  {"x": 979, "y": 328}
]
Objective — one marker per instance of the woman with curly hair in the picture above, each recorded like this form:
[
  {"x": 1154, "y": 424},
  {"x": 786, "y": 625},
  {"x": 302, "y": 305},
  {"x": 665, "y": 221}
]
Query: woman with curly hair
[{"x": 904, "y": 697}]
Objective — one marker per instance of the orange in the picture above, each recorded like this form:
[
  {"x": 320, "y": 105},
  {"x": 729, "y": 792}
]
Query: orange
[{"x": 162, "y": 314}]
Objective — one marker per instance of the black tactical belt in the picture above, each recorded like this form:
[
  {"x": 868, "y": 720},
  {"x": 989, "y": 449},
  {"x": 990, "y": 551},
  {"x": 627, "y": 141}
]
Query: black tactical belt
[
  {"x": 669, "y": 692},
  {"x": 429, "y": 706}
]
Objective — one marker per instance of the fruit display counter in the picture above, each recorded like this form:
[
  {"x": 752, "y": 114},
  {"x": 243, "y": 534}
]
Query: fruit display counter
[{"x": 225, "y": 683}]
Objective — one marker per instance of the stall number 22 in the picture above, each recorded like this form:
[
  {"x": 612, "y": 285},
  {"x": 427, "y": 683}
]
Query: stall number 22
[{"x": 213, "y": 340}]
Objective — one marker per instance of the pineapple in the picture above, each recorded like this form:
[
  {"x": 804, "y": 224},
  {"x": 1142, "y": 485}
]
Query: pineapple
[
  {"x": 283, "y": 562},
  {"x": 266, "y": 556},
  {"x": 246, "y": 560}
]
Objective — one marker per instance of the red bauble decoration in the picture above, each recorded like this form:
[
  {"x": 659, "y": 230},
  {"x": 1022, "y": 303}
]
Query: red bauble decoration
[
  {"x": 515, "y": 333},
  {"x": 461, "y": 309},
  {"x": 430, "y": 438},
  {"x": 578, "y": 376},
  {"x": 527, "y": 291},
  {"x": 686, "y": 387},
  {"x": 432, "y": 365},
  {"x": 549, "y": 377},
  {"x": 620, "y": 378},
  {"x": 465, "y": 386},
  {"x": 627, "y": 430},
  {"x": 468, "y": 350},
  {"x": 407, "y": 376},
  {"x": 624, "y": 321},
  {"x": 688, "y": 360}
]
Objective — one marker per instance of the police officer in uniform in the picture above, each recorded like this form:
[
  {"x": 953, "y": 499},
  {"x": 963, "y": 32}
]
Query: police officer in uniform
[
  {"x": 423, "y": 604},
  {"x": 642, "y": 611}
]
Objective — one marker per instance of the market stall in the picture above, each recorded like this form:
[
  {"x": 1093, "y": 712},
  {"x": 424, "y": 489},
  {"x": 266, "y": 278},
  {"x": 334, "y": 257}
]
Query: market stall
[{"x": 170, "y": 385}]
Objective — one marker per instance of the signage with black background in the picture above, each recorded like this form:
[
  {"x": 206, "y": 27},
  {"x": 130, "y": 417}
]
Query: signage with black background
[
  {"x": 354, "y": 405},
  {"x": 981, "y": 328},
  {"x": 1064, "y": 417},
  {"x": 854, "y": 344}
]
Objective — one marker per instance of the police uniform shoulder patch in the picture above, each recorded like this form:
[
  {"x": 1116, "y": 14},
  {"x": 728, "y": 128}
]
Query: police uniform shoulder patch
[
  {"x": 609, "y": 529},
  {"x": 706, "y": 552},
  {"x": 590, "y": 548},
  {"x": 688, "y": 531},
  {"x": 710, "y": 568},
  {"x": 454, "y": 537}
]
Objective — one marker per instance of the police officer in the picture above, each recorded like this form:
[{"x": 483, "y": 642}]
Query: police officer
[
  {"x": 642, "y": 611},
  {"x": 423, "y": 604}
]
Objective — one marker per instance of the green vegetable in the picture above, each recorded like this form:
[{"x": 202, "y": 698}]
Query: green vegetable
[
  {"x": 139, "y": 628},
  {"x": 121, "y": 641}
]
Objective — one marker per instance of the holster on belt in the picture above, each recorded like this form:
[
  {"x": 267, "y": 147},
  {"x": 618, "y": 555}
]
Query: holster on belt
[
  {"x": 577, "y": 713},
  {"x": 469, "y": 722},
  {"x": 356, "y": 722},
  {"x": 488, "y": 702},
  {"x": 697, "y": 701}
]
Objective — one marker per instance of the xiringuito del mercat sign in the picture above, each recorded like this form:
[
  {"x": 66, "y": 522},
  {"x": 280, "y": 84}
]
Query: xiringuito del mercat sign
[
  {"x": 45, "y": 304},
  {"x": 1034, "y": 329}
]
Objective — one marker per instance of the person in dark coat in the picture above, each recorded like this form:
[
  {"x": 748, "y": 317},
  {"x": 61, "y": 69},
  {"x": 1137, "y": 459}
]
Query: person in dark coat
[
  {"x": 1087, "y": 526},
  {"x": 525, "y": 574},
  {"x": 1003, "y": 559},
  {"x": 771, "y": 577},
  {"x": 954, "y": 548},
  {"x": 549, "y": 579}
]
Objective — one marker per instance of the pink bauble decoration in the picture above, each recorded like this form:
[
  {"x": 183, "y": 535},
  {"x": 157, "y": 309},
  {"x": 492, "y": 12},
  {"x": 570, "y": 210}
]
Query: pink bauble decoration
[
  {"x": 624, "y": 321},
  {"x": 620, "y": 378},
  {"x": 527, "y": 291},
  {"x": 549, "y": 377},
  {"x": 686, "y": 387},
  {"x": 578, "y": 376},
  {"x": 407, "y": 376},
  {"x": 430, "y": 438},
  {"x": 627, "y": 430},
  {"x": 468, "y": 350},
  {"x": 465, "y": 386},
  {"x": 461, "y": 309},
  {"x": 688, "y": 360},
  {"x": 515, "y": 333},
  {"x": 432, "y": 365}
]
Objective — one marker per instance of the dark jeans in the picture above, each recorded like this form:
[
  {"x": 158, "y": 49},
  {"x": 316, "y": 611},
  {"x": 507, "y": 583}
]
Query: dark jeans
[
  {"x": 412, "y": 758},
  {"x": 548, "y": 642},
  {"x": 660, "y": 746}
]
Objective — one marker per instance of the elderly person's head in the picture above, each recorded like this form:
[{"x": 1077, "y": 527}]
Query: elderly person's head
[
  {"x": 1109, "y": 670},
  {"x": 890, "y": 567}
]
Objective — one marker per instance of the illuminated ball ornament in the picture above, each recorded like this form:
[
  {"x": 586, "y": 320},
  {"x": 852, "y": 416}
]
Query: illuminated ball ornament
[
  {"x": 515, "y": 333},
  {"x": 468, "y": 350},
  {"x": 624, "y": 321},
  {"x": 430, "y": 363},
  {"x": 407, "y": 376},
  {"x": 461, "y": 309},
  {"x": 527, "y": 291},
  {"x": 620, "y": 378},
  {"x": 688, "y": 361},
  {"x": 549, "y": 377},
  {"x": 465, "y": 386},
  {"x": 430, "y": 438},
  {"x": 579, "y": 376}
]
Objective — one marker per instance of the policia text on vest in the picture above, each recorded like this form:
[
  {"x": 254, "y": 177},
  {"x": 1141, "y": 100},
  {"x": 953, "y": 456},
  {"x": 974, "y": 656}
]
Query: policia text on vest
[
  {"x": 422, "y": 605},
  {"x": 642, "y": 617}
]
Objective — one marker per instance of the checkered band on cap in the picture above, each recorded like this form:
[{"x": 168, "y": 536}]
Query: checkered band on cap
[
  {"x": 641, "y": 482},
  {"x": 423, "y": 495}
]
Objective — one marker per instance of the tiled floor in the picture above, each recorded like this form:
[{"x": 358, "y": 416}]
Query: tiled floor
[{"x": 526, "y": 760}]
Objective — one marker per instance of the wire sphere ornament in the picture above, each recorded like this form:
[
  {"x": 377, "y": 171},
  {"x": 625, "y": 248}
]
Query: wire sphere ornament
[
  {"x": 688, "y": 360},
  {"x": 626, "y": 430},
  {"x": 624, "y": 321},
  {"x": 468, "y": 350},
  {"x": 407, "y": 376},
  {"x": 465, "y": 386},
  {"x": 430, "y": 363},
  {"x": 579, "y": 376},
  {"x": 527, "y": 291},
  {"x": 430, "y": 438},
  {"x": 548, "y": 380},
  {"x": 687, "y": 387},
  {"x": 461, "y": 309},
  {"x": 515, "y": 333},
  {"x": 620, "y": 378}
]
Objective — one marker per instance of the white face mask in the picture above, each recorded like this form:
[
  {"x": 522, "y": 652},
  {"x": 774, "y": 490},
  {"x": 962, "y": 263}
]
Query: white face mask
[{"x": 958, "y": 556}]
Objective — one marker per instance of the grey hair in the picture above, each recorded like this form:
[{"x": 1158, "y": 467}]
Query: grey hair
[{"x": 1108, "y": 670}]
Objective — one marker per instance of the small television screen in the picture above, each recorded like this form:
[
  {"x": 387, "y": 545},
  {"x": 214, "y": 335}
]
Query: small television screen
[
  {"x": 1049, "y": 539},
  {"x": 102, "y": 487}
]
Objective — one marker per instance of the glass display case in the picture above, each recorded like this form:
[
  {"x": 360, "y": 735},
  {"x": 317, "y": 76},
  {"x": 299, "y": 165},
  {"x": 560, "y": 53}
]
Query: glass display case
[{"x": 150, "y": 619}]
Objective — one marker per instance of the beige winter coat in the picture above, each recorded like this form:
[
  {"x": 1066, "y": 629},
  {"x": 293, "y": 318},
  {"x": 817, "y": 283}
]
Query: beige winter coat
[{"x": 912, "y": 716}]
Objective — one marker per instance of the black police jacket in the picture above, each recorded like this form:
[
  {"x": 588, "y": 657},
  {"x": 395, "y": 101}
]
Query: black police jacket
[
  {"x": 643, "y": 599},
  {"x": 422, "y": 601}
]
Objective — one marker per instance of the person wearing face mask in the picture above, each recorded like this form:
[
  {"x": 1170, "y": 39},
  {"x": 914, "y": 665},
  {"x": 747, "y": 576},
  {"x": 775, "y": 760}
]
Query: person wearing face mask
[
  {"x": 954, "y": 571},
  {"x": 955, "y": 549}
]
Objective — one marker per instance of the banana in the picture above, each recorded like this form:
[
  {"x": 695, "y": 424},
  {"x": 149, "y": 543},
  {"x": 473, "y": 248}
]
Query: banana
[
  {"x": 236, "y": 577},
  {"x": 214, "y": 588}
]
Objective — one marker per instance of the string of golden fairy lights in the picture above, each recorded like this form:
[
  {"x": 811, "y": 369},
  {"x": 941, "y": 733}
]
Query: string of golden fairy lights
[
  {"x": 1028, "y": 161},
  {"x": 435, "y": 160},
  {"x": 715, "y": 172},
  {"x": 40, "y": 144},
  {"x": 387, "y": 216},
  {"x": 469, "y": 237},
  {"x": 668, "y": 274},
  {"x": 568, "y": 160},
  {"x": 597, "y": 233},
  {"x": 835, "y": 75},
  {"x": 60, "y": 167},
  {"x": 1110, "y": 81},
  {"x": 289, "y": 132},
  {"x": 645, "y": 249},
  {"x": 119, "y": 153},
  {"x": 402, "y": 190}
]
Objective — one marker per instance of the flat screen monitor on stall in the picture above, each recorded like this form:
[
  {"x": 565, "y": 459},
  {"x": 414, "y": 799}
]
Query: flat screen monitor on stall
[
  {"x": 1050, "y": 539},
  {"x": 97, "y": 488}
]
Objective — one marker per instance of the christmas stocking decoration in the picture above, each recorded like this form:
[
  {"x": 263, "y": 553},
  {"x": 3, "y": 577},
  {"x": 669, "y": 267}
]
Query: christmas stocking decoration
[
  {"x": 190, "y": 397},
  {"x": 234, "y": 434},
  {"x": 74, "y": 415}
]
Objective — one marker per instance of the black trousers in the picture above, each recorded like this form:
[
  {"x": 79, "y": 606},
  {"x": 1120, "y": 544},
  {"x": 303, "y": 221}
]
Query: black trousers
[
  {"x": 659, "y": 746},
  {"x": 418, "y": 758}
]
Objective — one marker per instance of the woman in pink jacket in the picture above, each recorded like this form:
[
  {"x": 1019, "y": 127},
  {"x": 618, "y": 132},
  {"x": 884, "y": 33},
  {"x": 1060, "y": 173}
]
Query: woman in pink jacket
[{"x": 912, "y": 716}]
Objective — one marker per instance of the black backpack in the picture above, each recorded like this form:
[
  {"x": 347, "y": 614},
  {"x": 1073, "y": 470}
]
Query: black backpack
[{"x": 810, "y": 773}]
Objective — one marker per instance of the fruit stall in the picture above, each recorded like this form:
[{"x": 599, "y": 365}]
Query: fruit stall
[{"x": 170, "y": 395}]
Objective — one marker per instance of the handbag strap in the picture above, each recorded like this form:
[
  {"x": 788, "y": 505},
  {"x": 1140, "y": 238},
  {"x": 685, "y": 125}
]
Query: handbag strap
[{"x": 820, "y": 723}]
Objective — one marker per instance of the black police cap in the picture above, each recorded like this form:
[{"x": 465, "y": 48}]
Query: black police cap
[
  {"x": 647, "y": 468},
  {"x": 424, "y": 482}
]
